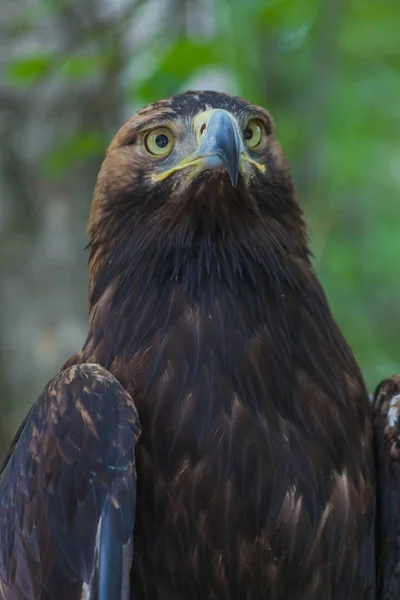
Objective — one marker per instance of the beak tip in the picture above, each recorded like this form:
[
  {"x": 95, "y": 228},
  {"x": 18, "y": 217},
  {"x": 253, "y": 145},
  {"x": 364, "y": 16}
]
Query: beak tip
[{"x": 234, "y": 179}]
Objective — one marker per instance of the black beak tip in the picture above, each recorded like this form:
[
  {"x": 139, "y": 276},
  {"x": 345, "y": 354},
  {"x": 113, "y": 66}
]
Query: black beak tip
[{"x": 233, "y": 176}]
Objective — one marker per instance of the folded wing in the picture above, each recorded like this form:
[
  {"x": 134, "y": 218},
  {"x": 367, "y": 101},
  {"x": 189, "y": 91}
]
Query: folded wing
[
  {"x": 387, "y": 448},
  {"x": 68, "y": 491}
]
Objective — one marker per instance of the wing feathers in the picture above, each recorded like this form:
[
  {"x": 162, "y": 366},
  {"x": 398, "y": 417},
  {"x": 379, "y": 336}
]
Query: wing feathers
[
  {"x": 68, "y": 491},
  {"x": 387, "y": 448}
]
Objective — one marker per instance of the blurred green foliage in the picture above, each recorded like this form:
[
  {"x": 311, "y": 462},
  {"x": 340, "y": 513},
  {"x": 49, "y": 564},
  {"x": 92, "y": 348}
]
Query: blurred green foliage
[{"x": 329, "y": 72}]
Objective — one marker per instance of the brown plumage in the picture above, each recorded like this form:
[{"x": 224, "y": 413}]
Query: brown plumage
[
  {"x": 387, "y": 441},
  {"x": 255, "y": 463},
  {"x": 70, "y": 469}
]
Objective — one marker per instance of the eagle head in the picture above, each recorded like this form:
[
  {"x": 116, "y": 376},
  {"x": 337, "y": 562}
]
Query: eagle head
[{"x": 200, "y": 173}]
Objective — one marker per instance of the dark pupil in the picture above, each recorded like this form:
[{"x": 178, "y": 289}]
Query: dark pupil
[
  {"x": 161, "y": 140},
  {"x": 248, "y": 133}
]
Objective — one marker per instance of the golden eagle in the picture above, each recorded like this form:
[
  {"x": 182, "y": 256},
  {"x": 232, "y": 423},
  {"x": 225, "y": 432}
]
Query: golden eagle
[{"x": 254, "y": 474}]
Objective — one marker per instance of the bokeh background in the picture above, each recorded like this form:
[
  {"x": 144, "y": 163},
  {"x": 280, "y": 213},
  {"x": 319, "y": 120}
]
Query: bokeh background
[{"x": 72, "y": 71}]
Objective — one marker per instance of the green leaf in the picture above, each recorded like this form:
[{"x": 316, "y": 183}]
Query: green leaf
[
  {"x": 182, "y": 59},
  {"x": 284, "y": 14},
  {"x": 81, "y": 65},
  {"x": 28, "y": 69}
]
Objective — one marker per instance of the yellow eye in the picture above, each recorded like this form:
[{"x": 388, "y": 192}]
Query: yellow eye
[
  {"x": 159, "y": 142},
  {"x": 253, "y": 134}
]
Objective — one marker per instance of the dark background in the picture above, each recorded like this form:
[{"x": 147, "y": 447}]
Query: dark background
[{"x": 73, "y": 70}]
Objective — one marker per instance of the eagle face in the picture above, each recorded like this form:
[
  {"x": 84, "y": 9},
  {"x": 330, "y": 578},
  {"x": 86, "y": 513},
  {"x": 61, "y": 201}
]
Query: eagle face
[
  {"x": 213, "y": 139},
  {"x": 195, "y": 152},
  {"x": 216, "y": 133}
]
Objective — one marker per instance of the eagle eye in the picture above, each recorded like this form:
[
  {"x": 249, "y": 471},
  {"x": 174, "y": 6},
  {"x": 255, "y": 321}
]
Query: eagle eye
[
  {"x": 253, "y": 134},
  {"x": 158, "y": 142}
]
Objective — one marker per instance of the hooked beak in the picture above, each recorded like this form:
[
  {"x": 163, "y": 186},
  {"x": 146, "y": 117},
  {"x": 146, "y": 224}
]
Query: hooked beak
[{"x": 221, "y": 144}]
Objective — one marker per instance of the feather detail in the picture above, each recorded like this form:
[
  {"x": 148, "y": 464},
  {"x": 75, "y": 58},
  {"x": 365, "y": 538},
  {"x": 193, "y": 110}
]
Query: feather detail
[{"x": 71, "y": 470}]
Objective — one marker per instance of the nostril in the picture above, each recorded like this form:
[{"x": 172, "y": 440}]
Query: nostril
[{"x": 203, "y": 128}]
